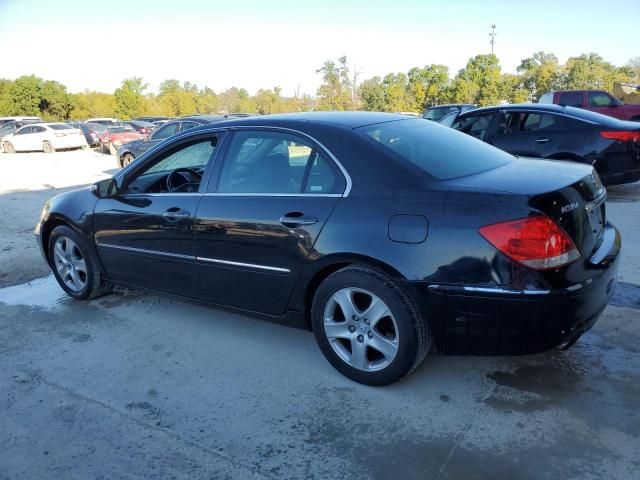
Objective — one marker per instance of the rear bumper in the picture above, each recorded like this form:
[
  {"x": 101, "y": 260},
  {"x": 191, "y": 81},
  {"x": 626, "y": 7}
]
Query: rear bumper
[{"x": 502, "y": 321}]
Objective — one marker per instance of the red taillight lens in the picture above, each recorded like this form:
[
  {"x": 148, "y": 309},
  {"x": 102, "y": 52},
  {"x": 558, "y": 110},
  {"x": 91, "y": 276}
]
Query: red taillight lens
[
  {"x": 622, "y": 136},
  {"x": 536, "y": 242}
]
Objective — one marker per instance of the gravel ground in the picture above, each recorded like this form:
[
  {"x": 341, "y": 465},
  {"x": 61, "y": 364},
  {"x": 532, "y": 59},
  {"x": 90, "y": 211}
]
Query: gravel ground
[{"x": 137, "y": 386}]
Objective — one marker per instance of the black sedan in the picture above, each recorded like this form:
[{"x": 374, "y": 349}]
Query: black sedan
[
  {"x": 91, "y": 131},
  {"x": 387, "y": 236},
  {"x": 554, "y": 132},
  {"x": 131, "y": 150}
]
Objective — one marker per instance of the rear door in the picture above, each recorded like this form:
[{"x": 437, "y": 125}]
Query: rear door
[{"x": 261, "y": 216}]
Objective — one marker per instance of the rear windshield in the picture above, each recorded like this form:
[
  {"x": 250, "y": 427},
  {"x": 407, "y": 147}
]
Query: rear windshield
[
  {"x": 436, "y": 113},
  {"x": 442, "y": 152},
  {"x": 60, "y": 127}
]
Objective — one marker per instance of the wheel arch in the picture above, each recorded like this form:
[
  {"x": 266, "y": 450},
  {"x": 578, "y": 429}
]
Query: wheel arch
[
  {"x": 323, "y": 268},
  {"x": 52, "y": 222}
]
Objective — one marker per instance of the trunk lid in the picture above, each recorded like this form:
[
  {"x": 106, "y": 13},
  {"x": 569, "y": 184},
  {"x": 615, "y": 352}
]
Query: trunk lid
[{"x": 569, "y": 193}]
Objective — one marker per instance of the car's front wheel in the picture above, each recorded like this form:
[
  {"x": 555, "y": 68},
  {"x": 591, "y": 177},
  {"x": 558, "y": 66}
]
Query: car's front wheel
[
  {"x": 75, "y": 266},
  {"x": 9, "y": 148},
  {"x": 367, "y": 326}
]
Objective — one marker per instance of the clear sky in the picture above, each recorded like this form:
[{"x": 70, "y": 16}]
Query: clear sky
[{"x": 261, "y": 44}]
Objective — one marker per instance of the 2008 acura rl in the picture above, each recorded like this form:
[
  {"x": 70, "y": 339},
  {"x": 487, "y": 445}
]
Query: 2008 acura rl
[{"x": 387, "y": 236}]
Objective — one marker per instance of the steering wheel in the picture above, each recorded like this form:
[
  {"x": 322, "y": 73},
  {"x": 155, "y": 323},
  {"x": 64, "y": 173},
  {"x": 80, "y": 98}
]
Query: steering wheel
[{"x": 195, "y": 175}]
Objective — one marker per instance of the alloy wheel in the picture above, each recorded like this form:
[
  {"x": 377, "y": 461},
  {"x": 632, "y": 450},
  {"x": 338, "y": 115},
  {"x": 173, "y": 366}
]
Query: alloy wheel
[
  {"x": 361, "y": 329},
  {"x": 70, "y": 264}
]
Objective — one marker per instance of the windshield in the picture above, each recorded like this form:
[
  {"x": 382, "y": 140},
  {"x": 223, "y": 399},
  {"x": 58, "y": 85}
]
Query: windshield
[
  {"x": 441, "y": 152},
  {"x": 57, "y": 126}
]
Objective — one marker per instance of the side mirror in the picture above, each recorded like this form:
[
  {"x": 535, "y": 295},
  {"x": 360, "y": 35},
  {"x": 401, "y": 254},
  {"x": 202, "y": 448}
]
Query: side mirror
[{"x": 105, "y": 188}]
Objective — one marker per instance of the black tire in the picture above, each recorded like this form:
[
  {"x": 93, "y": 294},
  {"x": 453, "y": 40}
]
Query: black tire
[
  {"x": 127, "y": 158},
  {"x": 414, "y": 337},
  {"x": 47, "y": 147},
  {"x": 96, "y": 285},
  {"x": 9, "y": 148}
]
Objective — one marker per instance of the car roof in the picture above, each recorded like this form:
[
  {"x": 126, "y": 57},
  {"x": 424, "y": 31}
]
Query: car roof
[
  {"x": 349, "y": 120},
  {"x": 578, "y": 113},
  {"x": 453, "y": 105}
]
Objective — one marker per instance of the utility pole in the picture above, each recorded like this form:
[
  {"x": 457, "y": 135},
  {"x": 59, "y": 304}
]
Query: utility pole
[{"x": 492, "y": 35}]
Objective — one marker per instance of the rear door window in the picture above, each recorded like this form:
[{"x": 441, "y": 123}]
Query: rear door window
[
  {"x": 276, "y": 163},
  {"x": 571, "y": 99},
  {"x": 601, "y": 99},
  {"x": 166, "y": 131}
]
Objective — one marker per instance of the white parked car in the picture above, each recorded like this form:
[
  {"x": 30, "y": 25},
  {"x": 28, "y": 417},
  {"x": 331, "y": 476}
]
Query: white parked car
[{"x": 45, "y": 137}]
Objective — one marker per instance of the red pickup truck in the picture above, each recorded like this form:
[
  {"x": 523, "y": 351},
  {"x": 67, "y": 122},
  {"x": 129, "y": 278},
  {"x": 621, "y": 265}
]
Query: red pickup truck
[{"x": 595, "y": 100}]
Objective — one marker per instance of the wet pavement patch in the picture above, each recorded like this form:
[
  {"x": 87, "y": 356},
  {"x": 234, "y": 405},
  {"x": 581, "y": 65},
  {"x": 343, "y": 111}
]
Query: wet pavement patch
[{"x": 626, "y": 295}]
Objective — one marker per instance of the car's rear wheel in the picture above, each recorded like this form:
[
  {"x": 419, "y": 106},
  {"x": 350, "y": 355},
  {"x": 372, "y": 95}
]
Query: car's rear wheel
[
  {"x": 127, "y": 158},
  {"x": 47, "y": 147},
  {"x": 75, "y": 266},
  {"x": 367, "y": 326},
  {"x": 9, "y": 148}
]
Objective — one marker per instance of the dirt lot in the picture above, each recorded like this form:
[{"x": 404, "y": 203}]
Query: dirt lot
[{"x": 136, "y": 386}]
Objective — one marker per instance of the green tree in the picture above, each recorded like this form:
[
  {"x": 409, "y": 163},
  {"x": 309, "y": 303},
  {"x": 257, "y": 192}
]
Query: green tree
[
  {"x": 427, "y": 86},
  {"x": 395, "y": 92},
  {"x": 512, "y": 88},
  {"x": 55, "y": 102},
  {"x": 129, "y": 97},
  {"x": 540, "y": 73},
  {"x": 24, "y": 96},
  {"x": 591, "y": 71},
  {"x": 480, "y": 80},
  {"x": 372, "y": 95},
  {"x": 335, "y": 93}
]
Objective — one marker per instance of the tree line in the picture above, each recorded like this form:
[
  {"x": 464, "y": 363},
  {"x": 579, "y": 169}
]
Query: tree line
[{"x": 481, "y": 82}]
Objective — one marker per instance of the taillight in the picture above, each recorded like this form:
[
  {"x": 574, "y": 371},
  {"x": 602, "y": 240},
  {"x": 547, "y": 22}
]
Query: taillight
[
  {"x": 624, "y": 136},
  {"x": 536, "y": 242}
]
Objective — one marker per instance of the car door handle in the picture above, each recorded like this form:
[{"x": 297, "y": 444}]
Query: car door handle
[
  {"x": 296, "y": 219},
  {"x": 174, "y": 214},
  {"x": 542, "y": 140}
]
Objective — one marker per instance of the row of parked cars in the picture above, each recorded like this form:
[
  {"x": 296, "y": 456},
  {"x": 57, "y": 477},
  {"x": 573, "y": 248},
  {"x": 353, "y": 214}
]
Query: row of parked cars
[
  {"x": 579, "y": 126},
  {"x": 127, "y": 139}
]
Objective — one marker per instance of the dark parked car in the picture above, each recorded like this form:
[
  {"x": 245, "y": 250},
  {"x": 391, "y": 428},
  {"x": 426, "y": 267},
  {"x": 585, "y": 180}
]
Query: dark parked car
[
  {"x": 141, "y": 126},
  {"x": 559, "y": 133},
  {"x": 438, "y": 112},
  {"x": 388, "y": 236},
  {"x": 91, "y": 131},
  {"x": 130, "y": 151}
]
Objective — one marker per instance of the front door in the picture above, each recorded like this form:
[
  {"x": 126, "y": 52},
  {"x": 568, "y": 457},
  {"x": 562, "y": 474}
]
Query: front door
[
  {"x": 144, "y": 234},
  {"x": 264, "y": 211},
  {"x": 513, "y": 133}
]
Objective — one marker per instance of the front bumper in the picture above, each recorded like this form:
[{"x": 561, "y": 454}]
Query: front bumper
[{"x": 501, "y": 321}]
